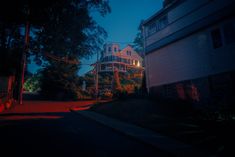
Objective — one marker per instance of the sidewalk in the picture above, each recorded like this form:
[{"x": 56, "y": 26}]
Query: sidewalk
[{"x": 171, "y": 146}]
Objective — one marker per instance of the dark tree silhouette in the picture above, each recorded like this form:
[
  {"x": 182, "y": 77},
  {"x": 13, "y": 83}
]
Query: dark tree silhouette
[
  {"x": 139, "y": 41},
  {"x": 61, "y": 28},
  {"x": 116, "y": 85},
  {"x": 70, "y": 34}
]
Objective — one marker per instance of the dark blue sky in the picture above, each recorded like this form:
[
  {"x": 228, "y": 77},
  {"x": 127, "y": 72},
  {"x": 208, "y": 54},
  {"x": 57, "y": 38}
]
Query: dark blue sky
[{"x": 122, "y": 23}]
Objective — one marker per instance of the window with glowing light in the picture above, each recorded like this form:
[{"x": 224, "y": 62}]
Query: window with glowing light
[{"x": 138, "y": 64}]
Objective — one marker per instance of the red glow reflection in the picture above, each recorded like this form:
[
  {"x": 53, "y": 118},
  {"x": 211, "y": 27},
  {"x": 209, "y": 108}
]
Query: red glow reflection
[
  {"x": 49, "y": 106},
  {"x": 43, "y": 109},
  {"x": 25, "y": 117}
]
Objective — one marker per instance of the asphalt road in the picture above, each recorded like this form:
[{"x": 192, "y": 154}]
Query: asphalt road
[{"x": 63, "y": 133}]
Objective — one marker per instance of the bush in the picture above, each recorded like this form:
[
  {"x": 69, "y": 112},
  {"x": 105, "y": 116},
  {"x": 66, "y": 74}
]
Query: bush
[{"x": 106, "y": 94}]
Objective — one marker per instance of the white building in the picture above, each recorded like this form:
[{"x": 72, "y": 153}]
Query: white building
[
  {"x": 114, "y": 58},
  {"x": 190, "y": 51}
]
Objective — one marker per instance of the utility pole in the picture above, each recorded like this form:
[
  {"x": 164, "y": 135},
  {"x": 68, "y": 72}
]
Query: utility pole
[
  {"x": 97, "y": 78},
  {"x": 23, "y": 59},
  {"x": 23, "y": 62}
]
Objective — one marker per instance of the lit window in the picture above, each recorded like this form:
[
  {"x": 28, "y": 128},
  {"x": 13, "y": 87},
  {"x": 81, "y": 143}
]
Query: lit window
[
  {"x": 216, "y": 38},
  {"x": 138, "y": 64}
]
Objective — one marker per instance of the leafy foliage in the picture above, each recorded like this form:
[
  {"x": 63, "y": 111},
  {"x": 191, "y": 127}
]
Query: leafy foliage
[
  {"x": 32, "y": 83},
  {"x": 62, "y": 28},
  {"x": 116, "y": 82},
  {"x": 70, "y": 34},
  {"x": 139, "y": 41},
  {"x": 59, "y": 82}
]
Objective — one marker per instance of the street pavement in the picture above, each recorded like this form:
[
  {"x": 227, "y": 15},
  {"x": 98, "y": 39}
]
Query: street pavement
[
  {"x": 42, "y": 128},
  {"x": 170, "y": 145}
]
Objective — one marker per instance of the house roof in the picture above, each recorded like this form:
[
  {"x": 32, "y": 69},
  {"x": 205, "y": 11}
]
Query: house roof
[
  {"x": 163, "y": 11},
  {"x": 133, "y": 55}
]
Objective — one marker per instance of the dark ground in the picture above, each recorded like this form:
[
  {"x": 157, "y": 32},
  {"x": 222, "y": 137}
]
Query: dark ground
[
  {"x": 35, "y": 130},
  {"x": 179, "y": 121}
]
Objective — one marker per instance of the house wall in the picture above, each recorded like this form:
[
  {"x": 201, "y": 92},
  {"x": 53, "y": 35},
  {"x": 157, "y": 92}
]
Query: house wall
[
  {"x": 191, "y": 67},
  {"x": 189, "y": 58},
  {"x": 124, "y": 58},
  {"x": 186, "y": 14},
  {"x": 134, "y": 56},
  {"x": 212, "y": 92},
  {"x": 110, "y": 49}
]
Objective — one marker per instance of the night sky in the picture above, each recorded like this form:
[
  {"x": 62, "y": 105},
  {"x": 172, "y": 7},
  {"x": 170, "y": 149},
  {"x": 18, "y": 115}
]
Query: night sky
[{"x": 121, "y": 24}]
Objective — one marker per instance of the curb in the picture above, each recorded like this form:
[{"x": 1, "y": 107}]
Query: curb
[{"x": 166, "y": 144}]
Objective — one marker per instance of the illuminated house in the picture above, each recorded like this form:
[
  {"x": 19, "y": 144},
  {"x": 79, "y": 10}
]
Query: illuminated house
[
  {"x": 190, "y": 51},
  {"x": 112, "y": 58}
]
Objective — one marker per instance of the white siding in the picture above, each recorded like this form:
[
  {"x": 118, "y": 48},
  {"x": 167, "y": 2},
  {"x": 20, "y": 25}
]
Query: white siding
[
  {"x": 189, "y": 58},
  {"x": 134, "y": 55},
  {"x": 112, "y": 47},
  {"x": 189, "y": 12}
]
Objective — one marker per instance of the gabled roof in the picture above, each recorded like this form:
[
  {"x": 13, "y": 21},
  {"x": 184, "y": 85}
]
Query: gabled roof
[{"x": 134, "y": 53}]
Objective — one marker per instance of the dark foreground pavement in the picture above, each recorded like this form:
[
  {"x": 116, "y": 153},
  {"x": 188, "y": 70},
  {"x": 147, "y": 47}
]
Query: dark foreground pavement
[
  {"x": 174, "y": 147},
  {"x": 178, "y": 128},
  {"x": 65, "y": 134}
]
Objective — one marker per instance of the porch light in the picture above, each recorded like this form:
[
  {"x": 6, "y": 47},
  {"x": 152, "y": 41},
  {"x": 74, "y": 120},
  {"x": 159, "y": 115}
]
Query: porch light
[{"x": 138, "y": 64}]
